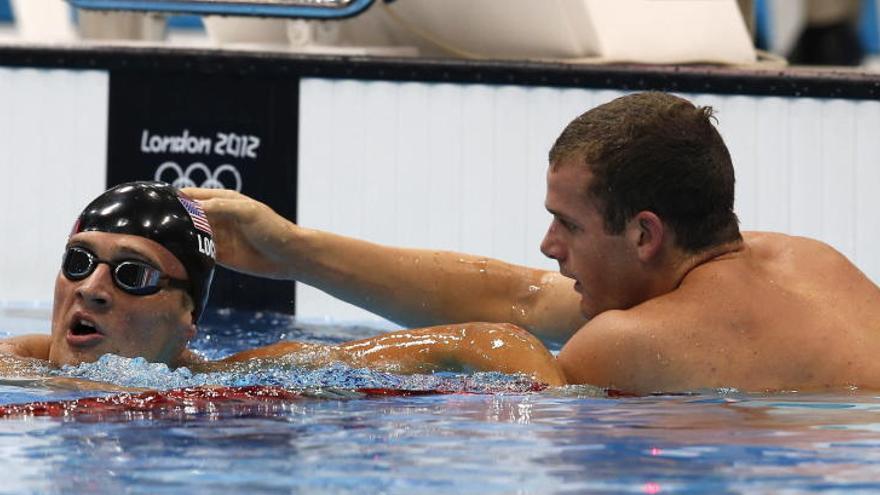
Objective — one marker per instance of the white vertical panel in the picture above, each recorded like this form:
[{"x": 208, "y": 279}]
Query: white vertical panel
[
  {"x": 321, "y": 122},
  {"x": 838, "y": 166},
  {"x": 508, "y": 188},
  {"x": 53, "y": 129},
  {"x": 443, "y": 158},
  {"x": 867, "y": 202},
  {"x": 380, "y": 107},
  {"x": 805, "y": 190},
  {"x": 316, "y": 134},
  {"x": 477, "y": 149},
  {"x": 346, "y": 166},
  {"x": 413, "y": 186},
  {"x": 773, "y": 165},
  {"x": 737, "y": 125}
]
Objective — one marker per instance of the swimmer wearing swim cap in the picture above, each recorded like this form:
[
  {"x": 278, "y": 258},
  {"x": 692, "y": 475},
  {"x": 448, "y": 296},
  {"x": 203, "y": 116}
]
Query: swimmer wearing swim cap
[{"x": 134, "y": 280}]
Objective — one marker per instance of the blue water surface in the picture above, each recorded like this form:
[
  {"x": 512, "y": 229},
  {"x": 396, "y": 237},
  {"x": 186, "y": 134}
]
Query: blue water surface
[{"x": 569, "y": 440}]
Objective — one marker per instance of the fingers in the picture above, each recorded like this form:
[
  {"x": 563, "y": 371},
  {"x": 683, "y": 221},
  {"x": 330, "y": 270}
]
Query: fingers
[
  {"x": 220, "y": 208},
  {"x": 203, "y": 193},
  {"x": 225, "y": 203}
]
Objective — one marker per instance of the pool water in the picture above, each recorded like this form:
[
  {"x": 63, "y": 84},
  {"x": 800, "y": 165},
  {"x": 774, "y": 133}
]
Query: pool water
[{"x": 332, "y": 440}]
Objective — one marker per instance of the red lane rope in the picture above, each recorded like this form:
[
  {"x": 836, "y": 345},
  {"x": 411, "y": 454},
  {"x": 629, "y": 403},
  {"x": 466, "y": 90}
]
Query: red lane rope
[
  {"x": 198, "y": 400},
  {"x": 188, "y": 400}
]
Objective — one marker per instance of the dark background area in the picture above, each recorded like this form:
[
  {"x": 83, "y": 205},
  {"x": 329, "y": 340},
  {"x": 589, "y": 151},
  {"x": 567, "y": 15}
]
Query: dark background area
[{"x": 166, "y": 104}]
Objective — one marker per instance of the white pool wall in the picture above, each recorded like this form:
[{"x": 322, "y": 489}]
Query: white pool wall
[
  {"x": 53, "y": 153},
  {"x": 444, "y": 166}
]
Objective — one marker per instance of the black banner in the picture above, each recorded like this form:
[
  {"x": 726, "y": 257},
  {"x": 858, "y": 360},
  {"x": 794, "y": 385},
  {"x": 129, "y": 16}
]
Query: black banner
[{"x": 211, "y": 130}]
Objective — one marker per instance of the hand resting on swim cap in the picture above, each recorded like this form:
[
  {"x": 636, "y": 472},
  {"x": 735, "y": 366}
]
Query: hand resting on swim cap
[{"x": 249, "y": 236}]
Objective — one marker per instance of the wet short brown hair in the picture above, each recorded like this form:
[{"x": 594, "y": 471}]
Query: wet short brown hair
[{"x": 656, "y": 152}]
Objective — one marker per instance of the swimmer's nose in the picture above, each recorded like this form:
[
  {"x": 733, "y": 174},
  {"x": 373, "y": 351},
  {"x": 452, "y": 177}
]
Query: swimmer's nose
[
  {"x": 550, "y": 245},
  {"x": 96, "y": 290}
]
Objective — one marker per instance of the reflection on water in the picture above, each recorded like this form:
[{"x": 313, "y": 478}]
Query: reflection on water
[
  {"x": 565, "y": 440},
  {"x": 466, "y": 443}
]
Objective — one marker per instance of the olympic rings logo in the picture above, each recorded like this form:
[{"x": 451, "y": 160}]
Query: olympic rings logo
[{"x": 188, "y": 178}]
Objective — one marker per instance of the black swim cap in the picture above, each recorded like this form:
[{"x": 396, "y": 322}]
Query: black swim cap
[{"x": 159, "y": 212}]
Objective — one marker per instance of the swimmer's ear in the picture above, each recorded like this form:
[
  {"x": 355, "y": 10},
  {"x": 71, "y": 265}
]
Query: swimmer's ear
[{"x": 646, "y": 232}]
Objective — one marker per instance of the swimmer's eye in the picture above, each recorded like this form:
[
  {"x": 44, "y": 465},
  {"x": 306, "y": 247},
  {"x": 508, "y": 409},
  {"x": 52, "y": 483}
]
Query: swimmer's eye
[{"x": 567, "y": 225}]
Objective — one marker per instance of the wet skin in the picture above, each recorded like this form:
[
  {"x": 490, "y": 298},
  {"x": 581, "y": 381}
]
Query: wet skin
[{"x": 469, "y": 346}]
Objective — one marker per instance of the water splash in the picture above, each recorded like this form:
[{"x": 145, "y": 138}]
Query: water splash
[{"x": 137, "y": 372}]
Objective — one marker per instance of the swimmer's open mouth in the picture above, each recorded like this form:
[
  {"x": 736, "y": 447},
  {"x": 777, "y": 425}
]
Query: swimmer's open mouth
[
  {"x": 83, "y": 330},
  {"x": 83, "y": 327}
]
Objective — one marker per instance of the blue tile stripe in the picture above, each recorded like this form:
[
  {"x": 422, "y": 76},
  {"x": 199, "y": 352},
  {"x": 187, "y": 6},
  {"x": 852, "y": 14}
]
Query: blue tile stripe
[
  {"x": 869, "y": 29},
  {"x": 5, "y": 11}
]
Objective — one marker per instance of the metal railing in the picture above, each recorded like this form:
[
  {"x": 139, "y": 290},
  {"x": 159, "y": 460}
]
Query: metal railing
[{"x": 309, "y": 9}]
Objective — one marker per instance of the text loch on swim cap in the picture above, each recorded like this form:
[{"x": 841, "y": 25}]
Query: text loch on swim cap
[{"x": 206, "y": 246}]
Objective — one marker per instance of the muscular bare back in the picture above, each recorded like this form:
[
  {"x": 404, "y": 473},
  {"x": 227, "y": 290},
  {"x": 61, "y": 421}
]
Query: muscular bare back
[{"x": 781, "y": 313}]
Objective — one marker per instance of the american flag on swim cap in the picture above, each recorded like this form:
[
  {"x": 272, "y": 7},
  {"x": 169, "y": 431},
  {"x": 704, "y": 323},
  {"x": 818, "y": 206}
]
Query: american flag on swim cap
[{"x": 197, "y": 214}]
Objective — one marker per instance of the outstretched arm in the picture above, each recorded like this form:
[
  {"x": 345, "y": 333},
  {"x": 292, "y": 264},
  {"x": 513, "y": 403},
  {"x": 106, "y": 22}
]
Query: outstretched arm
[
  {"x": 471, "y": 346},
  {"x": 413, "y": 287}
]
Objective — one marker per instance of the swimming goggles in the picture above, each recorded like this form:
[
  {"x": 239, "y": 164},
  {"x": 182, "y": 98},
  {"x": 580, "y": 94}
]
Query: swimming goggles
[{"x": 131, "y": 276}]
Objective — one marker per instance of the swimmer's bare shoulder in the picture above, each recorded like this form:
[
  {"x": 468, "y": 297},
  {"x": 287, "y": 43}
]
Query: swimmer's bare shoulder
[
  {"x": 23, "y": 356},
  {"x": 784, "y": 312},
  {"x": 26, "y": 346},
  {"x": 612, "y": 351},
  {"x": 819, "y": 275}
]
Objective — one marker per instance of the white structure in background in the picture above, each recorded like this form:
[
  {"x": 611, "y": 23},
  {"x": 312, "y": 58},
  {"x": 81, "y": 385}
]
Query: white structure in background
[
  {"x": 53, "y": 21},
  {"x": 53, "y": 133},
  {"x": 121, "y": 26},
  {"x": 648, "y": 31},
  {"x": 227, "y": 30},
  {"x": 362, "y": 35},
  {"x": 651, "y": 31},
  {"x": 43, "y": 20}
]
